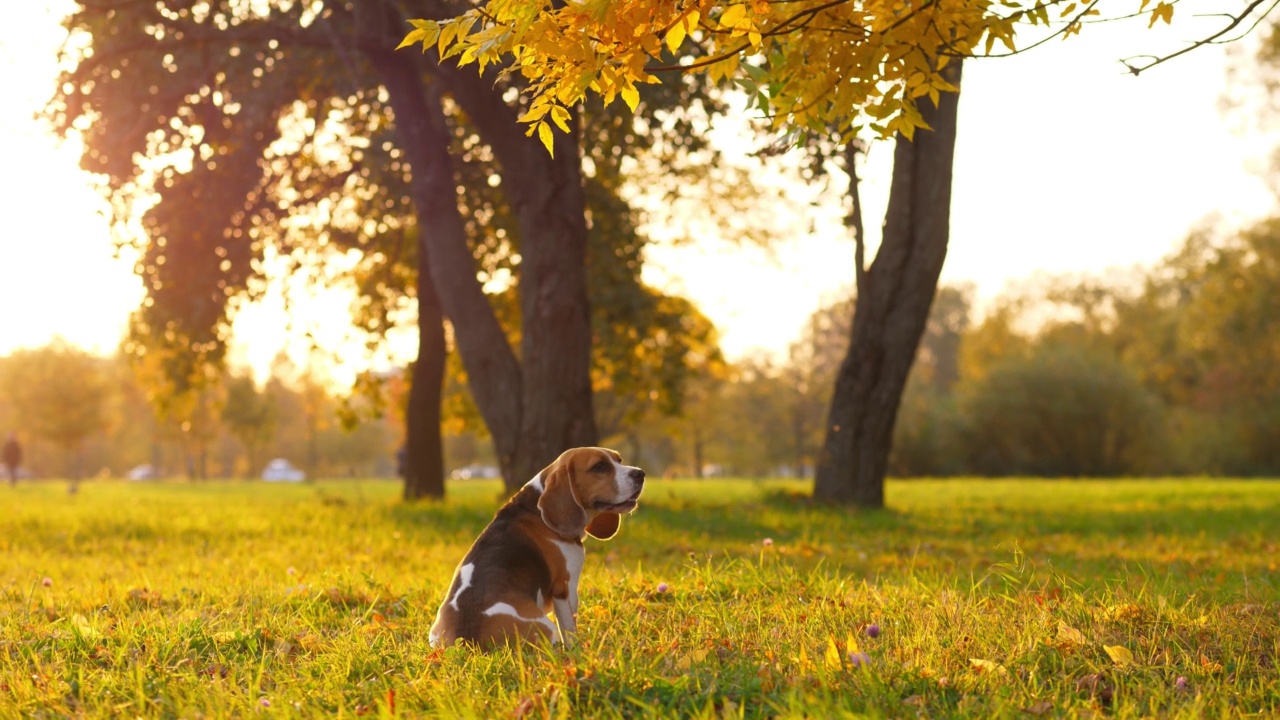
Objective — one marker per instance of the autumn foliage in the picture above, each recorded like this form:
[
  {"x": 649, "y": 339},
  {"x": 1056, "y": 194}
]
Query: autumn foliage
[{"x": 808, "y": 65}]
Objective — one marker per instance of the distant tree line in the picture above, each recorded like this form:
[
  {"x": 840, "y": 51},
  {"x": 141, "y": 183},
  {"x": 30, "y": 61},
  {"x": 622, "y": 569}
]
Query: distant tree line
[
  {"x": 1172, "y": 369},
  {"x": 79, "y": 415},
  {"x": 1167, "y": 370}
]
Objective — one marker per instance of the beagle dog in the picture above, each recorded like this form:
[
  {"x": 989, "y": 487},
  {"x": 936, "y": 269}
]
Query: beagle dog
[{"x": 527, "y": 562}]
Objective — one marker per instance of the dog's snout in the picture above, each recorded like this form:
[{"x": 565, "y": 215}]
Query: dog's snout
[{"x": 637, "y": 476}]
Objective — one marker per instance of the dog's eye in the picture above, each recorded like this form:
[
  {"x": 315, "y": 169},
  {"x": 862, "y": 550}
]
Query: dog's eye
[{"x": 602, "y": 466}]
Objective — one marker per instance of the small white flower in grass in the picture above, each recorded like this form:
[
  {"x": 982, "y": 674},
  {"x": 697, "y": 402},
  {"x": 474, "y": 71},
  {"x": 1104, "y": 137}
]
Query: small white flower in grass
[
  {"x": 1180, "y": 683},
  {"x": 291, "y": 571},
  {"x": 47, "y": 582},
  {"x": 767, "y": 542}
]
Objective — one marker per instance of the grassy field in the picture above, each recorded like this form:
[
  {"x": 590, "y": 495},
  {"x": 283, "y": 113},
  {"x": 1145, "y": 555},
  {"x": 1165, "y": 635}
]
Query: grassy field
[{"x": 717, "y": 599}]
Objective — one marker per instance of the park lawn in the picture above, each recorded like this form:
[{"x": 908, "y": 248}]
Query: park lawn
[{"x": 718, "y": 599}]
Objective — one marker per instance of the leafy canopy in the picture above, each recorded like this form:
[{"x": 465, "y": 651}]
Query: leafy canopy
[{"x": 808, "y": 64}]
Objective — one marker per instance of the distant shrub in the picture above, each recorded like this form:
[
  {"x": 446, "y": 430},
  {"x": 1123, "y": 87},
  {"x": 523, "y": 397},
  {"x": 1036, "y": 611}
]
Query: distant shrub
[{"x": 1064, "y": 410}]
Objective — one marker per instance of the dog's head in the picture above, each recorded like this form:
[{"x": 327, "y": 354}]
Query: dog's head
[{"x": 588, "y": 490}]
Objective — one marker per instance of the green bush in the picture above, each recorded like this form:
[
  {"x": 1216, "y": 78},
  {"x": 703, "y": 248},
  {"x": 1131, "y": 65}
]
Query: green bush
[{"x": 1063, "y": 411}]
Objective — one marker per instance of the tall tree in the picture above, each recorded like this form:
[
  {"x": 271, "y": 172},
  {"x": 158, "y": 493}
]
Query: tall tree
[
  {"x": 59, "y": 393},
  {"x": 894, "y": 296},
  {"x": 308, "y": 132},
  {"x": 251, "y": 416},
  {"x": 810, "y": 65}
]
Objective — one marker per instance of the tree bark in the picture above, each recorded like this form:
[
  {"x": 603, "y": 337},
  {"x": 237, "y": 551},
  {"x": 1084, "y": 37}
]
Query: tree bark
[
  {"x": 894, "y": 296},
  {"x": 492, "y": 368},
  {"x": 555, "y": 340},
  {"x": 424, "y": 448},
  {"x": 697, "y": 452},
  {"x": 540, "y": 405}
]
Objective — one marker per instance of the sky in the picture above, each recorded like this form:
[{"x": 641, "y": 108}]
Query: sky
[{"x": 1064, "y": 163}]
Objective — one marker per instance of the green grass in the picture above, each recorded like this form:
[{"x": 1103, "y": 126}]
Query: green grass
[{"x": 231, "y": 600}]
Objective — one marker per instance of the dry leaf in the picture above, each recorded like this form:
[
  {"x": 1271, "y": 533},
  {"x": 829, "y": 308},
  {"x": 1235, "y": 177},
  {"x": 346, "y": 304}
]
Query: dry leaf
[
  {"x": 987, "y": 666},
  {"x": 1098, "y": 687},
  {"x": 1069, "y": 634},
  {"x": 83, "y": 628},
  {"x": 1127, "y": 611},
  {"x": 1119, "y": 654}
]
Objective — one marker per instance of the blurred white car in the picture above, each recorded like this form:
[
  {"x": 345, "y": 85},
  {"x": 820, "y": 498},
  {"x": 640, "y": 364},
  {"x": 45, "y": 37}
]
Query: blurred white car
[
  {"x": 142, "y": 472},
  {"x": 474, "y": 472},
  {"x": 281, "y": 470}
]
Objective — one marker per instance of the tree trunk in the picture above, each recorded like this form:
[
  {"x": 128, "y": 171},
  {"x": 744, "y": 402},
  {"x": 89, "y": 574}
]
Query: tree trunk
[
  {"x": 893, "y": 301},
  {"x": 555, "y": 340},
  {"x": 424, "y": 448},
  {"x": 492, "y": 368},
  {"x": 697, "y": 452},
  {"x": 539, "y": 405}
]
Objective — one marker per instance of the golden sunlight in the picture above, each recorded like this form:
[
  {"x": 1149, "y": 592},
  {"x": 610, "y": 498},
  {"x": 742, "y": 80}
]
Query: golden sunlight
[{"x": 58, "y": 273}]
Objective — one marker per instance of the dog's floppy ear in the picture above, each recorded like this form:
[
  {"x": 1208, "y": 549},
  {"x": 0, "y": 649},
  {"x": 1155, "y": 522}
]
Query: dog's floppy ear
[
  {"x": 558, "y": 505},
  {"x": 604, "y": 526}
]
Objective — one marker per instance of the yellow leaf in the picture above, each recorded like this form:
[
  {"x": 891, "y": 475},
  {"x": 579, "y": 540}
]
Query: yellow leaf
[
  {"x": 560, "y": 117},
  {"x": 413, "y": 38},
  {"x": 987, "y": 666},
  {"x": 1119, "y": 654},
  {"x": 1070, "y": 634},
  {"x": 630, "y": 96},
  {"x": 83, "y": 628},
  {"x": 803, "y": 659},
  {"x": 732, "y": 15},
  {"x": 224, "y": 637},
  {"x": 447, "y": 35},
  {"x": 1126, "y": 611},
  {"x": 425, "y": 32},
  {"x": 832, "y": 658},
  {"x": 851, "y": 645},
  {"x": 675, "y": 36},
  {"x": 691, "y": 20},
  {"x": 536, "y": 111},
  {"x": 1162, "y": 11},
  {"x": 548, "y": 141}
]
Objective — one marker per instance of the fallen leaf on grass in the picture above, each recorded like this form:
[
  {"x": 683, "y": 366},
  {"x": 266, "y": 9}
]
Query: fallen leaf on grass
[
  {"x": 82, "y": 627},
  {"x": 1210, "y": 665},
  {"x": 687, "y": 661},
  {"x": 832, "y": 657},
  {"x": 1098, "y": 687},
  {"x": 1126, "y": 611},
  {"x": 142, "y": 597},
  {"x": 1068, "y": 634},
  {"x": 1119, "y": 654},
  {"x": 987, "y": 666}
]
